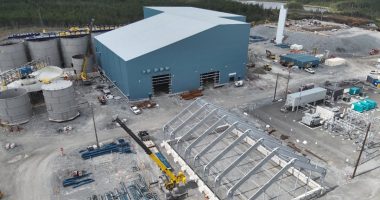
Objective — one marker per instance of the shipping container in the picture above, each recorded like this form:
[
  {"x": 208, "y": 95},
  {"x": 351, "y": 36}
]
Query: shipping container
[{"x": 354, "y": 91}]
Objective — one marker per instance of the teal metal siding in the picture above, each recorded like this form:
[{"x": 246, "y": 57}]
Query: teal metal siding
[
  {"x": 223, "y": 48},
  {"x": 114, "y": 67},
  {"x": 148, "y": 12},
  {"x": 300, "y": 60}
]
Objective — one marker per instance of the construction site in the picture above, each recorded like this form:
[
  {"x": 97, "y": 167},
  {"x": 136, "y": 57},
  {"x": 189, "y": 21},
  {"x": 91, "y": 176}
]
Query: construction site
[{"x": 207, "y": 107}]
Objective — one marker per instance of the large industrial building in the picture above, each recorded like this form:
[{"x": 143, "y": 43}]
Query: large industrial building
[{"x": 174, "y": 49}]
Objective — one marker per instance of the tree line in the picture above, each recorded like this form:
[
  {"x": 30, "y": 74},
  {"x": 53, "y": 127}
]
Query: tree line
[{"x": 45, "y": 13}]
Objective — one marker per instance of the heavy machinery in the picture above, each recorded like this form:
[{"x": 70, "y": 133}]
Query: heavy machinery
[
  {"x": 89, "y": 54},
  {"x": 270, "y": 55},
  {"x": 267, "y": 67},
  {"x": 374, "y": 52},
  {"x": 171, "y": 180}
]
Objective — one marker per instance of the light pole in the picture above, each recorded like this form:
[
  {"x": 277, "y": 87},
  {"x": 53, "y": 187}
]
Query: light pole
[
  {"x": 361, "y": 151},
  {"x": 93, "y": 120}
]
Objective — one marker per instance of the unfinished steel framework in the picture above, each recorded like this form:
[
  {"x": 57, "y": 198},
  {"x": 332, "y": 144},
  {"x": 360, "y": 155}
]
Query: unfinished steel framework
[{"x": 231, "y": 159}]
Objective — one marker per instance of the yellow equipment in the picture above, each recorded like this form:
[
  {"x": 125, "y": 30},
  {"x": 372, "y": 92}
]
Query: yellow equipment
[
  {"x": 3, "y": 85},
  {"x": 89, "y": 53},
  {"x": 172, "y": 179},
  {"x": 83, "y": 74}
]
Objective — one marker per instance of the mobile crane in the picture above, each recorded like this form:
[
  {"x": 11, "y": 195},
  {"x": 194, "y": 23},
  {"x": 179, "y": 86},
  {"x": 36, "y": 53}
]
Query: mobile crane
[{"x": 172, "y": 180}]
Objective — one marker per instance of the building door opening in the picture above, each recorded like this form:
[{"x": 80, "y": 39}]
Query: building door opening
[
  {"x": 209, "y": 79},
  {"x": 161, "y": 84}
]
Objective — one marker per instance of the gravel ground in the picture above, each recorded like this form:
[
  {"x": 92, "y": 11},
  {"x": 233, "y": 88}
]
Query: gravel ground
[{"x": 344, "y": 42}]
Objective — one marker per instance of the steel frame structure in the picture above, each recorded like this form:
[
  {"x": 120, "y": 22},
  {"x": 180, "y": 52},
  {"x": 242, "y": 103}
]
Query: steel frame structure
[{"x": 239, "y": 162}]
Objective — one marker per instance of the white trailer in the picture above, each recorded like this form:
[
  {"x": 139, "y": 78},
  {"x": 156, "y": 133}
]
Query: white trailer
[{"x": 305, "y": 97}]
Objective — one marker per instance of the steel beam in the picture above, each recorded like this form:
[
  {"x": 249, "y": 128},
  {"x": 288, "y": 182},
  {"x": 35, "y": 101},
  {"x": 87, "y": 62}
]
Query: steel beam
[
  {"x": 232, "y": 190},
  {"x": 311, "y": 167},
  {"x": 188, "y": 133},
  {"x": 224, "y": 152},
  {"x": 204, "y": 134},
  {"x": 172, "y": 134},
  {"x": 236, "y": 162},
  {"x": 166, "y": 126},
  {"x": 273, "y": 179},
  {"x": 214, "y": 142}
]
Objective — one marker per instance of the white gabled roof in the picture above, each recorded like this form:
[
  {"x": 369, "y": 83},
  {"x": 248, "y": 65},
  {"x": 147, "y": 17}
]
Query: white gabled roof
[{"x": 150, "y": 34}]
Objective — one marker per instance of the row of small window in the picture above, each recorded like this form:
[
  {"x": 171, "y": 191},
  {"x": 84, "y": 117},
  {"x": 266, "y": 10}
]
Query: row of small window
[{"x": 161, "y": 69}]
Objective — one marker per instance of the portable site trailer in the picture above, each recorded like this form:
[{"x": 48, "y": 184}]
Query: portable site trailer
[{"x": 305, "y": 97}]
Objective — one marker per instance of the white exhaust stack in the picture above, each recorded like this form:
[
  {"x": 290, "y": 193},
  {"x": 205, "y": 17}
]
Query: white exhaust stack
[{"x": 281, "y": 25}]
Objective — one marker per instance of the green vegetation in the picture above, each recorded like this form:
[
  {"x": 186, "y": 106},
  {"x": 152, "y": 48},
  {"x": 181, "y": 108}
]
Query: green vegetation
[
  {"x": 19, "y": 13},
  {"x": 356, "y": 8}
]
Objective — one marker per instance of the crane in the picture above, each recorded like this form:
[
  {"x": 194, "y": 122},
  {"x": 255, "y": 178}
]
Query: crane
[
  {"x": 172, "y": 180},
  {"x": 83, "y": 74}
]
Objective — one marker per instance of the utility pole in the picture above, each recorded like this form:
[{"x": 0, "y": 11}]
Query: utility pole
[
  {"x": 287, "y": 85},
  {"x": 93, "y": 120},
  {"x": 361, "y": 150},
  {"x": 275, "y": 88}
]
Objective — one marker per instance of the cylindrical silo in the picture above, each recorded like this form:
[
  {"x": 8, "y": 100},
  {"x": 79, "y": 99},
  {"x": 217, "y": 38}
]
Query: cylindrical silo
[
  {"x": 71, "y": 46},
  {"x": 60, "y": 100},
  {"x": 77, "y": 62},
  {"x": 12, "y": 55},
  {"x": 15, "y": 106},
  {"x": 46, "y": 49}
]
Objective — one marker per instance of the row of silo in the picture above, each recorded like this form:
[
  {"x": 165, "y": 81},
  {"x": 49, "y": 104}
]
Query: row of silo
[
  {"x": 59, "y": 96},
  {"x": 56, "y": 51}
]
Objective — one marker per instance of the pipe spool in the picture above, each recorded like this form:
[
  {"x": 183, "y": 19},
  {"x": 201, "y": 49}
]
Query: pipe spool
[
  {"x": 15, "y": 106},
  {"x": 60, "y": 101}
]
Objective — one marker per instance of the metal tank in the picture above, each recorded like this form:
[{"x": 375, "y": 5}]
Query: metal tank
[
  {"x": 60, "y": 101},
  {"x": 12, "y": 55},
  {"x": 46, "y": 49},
  {"x": 77, "y": 62},
  {"x": 71, "y": 46},
  {"x": 15, "y": 106}
]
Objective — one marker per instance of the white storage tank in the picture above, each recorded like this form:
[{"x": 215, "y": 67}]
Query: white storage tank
[
  {"x": 60, "y": 100},
  {"x": 71, "y": 46},
  {"x": 12, "y": 55},
  {"x": 46, "y": 49},
  {"x": 15, "y": 106}
]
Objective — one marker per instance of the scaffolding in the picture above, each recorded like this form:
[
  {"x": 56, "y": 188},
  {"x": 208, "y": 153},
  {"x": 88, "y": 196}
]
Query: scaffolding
[{"x": 231, "y": 159}]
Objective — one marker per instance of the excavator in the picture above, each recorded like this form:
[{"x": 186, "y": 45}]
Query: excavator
[
  {"x": 171, "y": 181},
  {"x": 270, "y": 55}
]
